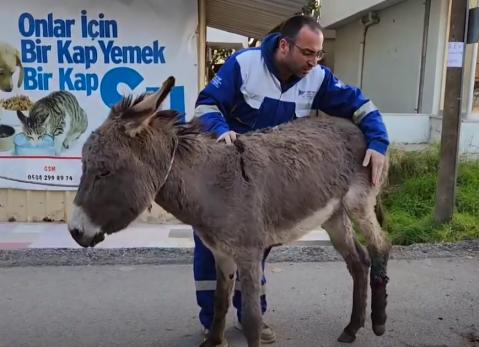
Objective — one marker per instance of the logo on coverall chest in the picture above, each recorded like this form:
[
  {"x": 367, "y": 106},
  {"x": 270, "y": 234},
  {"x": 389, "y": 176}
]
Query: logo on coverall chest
[{"x": 307, "y": 94}]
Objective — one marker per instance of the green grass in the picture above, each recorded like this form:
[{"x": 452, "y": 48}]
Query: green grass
[{"x": 409, "y": 199}]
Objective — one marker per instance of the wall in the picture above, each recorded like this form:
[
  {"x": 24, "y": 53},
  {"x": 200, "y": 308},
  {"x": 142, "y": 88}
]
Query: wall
[
  {"x": 393, "y": 55},
  {"x": 407, "y": 128},
  {"x": 435, "y": 55},
  {"x": 346, "y": 62},
  {"x": 392, "y": 60},
  {"x": 329, "y": 47},
  {"x": 47, "y": 206},
  {"x": 401, "y": 29},
  {"x": 335, "y": 12},
  {"x": 216, "y": 35},
  {"x": 469, "y": 139}
]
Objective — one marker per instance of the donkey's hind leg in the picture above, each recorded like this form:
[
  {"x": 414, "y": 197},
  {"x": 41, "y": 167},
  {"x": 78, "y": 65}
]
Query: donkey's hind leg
[
  {"x": 225, "y": 279},
  {"x": 360, "y": 202},
  {"x": 343, "y": 239}
]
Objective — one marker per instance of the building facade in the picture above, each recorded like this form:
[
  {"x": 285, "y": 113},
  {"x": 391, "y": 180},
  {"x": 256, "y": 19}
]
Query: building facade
[{"x": 397, "y": 52}]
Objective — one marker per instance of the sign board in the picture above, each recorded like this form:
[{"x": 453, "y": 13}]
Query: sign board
[
  {"x": 455, "y": 54},
  {"x": 64, "y": 64}
]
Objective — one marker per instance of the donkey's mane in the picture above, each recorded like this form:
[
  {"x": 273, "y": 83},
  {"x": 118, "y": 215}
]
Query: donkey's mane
[
  {"x": 187, "y": 133},
  {"x": 126, "y": 103}
]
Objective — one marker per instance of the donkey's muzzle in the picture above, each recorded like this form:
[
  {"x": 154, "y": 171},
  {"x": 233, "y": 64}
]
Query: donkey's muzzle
[
  {"x": 84, "y": 241},
  {"x": 76, "y": 234}
]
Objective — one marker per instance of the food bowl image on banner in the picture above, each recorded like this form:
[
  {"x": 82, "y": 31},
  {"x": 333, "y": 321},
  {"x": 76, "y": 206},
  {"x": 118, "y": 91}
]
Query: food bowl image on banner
[{"x": 6, "y": 137}]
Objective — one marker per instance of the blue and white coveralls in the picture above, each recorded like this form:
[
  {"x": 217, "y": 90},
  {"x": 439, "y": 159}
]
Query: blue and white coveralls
[{"x": 247, "y": 94}]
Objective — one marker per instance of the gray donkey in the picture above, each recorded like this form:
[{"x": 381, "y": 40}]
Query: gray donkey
[{"x": 268, "y": 188}]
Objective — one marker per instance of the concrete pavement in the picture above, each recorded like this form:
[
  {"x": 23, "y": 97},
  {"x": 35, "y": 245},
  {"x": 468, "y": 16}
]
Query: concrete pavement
[
  {"x": 14, "y": 236},
  {"x": 432, "y": 302}
]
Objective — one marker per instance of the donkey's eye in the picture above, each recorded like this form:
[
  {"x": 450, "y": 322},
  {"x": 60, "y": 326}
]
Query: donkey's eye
[{"x": 104, "y": 173}]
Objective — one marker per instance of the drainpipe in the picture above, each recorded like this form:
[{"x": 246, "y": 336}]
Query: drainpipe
[
  {"x": 427, "y": 15},
  {"x": 201, "y": 32},
  {"x": 372, "y": 18}
]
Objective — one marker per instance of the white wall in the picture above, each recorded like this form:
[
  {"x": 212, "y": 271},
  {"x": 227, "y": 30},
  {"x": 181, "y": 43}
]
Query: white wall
[
  {"x": 469, "y": 140},
  {"x": 421, "y": 128},
  {"x": 216, "y": 35},
  {"x": 382, "y": 42},
  {"x": 393, "y": 53},
  {"x": 407, "y": 128},
  {"x": 333, "y": 12},
  {"x": 435, "y": 55},
  {"x": 392, "y": 60},
  {"x": 392, "y": 66},
  {"x": 347, "y": 53}
]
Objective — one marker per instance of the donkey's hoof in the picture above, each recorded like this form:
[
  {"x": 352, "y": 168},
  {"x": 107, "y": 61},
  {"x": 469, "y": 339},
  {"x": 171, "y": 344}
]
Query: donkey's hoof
[
  {"x": 346, "y": 337},
  {"x": 209, "y": 343},
  {"x": 379, "y": 329}
]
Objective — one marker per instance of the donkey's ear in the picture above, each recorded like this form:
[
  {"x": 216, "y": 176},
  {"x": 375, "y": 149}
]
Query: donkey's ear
[
  {"x": 135, "y": 125},
  {"x": 139, "y": 116},
  {"x": 152, "y": 102}
]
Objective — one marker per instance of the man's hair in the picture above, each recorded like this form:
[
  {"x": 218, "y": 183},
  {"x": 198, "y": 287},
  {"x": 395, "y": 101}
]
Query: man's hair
[{"x": 290, "y": 28}]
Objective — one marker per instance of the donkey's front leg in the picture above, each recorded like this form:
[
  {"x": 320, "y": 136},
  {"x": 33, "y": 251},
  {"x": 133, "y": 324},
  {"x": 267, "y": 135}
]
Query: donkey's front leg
[
  {"x": 225, "y": 279},
  {"x": 251, "y": 319}
]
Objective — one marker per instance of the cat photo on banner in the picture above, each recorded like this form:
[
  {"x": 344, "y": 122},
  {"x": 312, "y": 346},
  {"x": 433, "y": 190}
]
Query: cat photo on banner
[{"x": 57, "y": 117}]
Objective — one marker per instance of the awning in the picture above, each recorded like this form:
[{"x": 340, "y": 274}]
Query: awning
[{"x": 252, "y": 18}]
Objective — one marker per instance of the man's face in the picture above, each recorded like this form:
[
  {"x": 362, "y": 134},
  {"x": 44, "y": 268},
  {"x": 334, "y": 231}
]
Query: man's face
[{"x": 302, "y": 54}]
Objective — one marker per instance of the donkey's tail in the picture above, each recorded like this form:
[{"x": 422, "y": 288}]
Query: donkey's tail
[{"x": 379, "y": 209}]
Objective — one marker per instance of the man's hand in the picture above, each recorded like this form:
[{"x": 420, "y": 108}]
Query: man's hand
[
  {"x": 377, "y": 162},
  {"x": 229, "y": 137}
]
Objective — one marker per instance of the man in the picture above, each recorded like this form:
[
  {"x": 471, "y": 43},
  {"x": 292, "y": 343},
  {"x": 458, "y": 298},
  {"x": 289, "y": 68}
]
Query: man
[{"x": 264, "y": 87}]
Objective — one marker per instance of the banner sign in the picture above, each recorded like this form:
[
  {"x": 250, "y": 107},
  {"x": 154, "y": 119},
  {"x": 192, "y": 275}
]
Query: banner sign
[{"x": 64, "y": 64}]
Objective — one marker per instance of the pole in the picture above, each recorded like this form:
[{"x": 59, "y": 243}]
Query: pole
[{"x": 451, "y": 119}]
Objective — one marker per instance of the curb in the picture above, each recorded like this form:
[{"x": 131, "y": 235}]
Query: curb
[{"x": 313, "y": 252}]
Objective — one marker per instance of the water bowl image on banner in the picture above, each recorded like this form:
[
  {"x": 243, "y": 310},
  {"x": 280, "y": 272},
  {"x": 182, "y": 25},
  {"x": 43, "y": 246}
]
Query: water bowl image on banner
[{"x": 45, "y": 147}]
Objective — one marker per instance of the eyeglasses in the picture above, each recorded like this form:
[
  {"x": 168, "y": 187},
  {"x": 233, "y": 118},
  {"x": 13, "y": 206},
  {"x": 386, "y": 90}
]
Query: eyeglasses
[{"x": 309, "y": 53}]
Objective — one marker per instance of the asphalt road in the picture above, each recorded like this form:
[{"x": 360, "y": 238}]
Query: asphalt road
[{"x": 432, "y": 302}]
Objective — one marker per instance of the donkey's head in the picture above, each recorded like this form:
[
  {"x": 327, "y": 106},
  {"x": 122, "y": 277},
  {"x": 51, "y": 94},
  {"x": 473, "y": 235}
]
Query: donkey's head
[{"x": 125, "y": 162}]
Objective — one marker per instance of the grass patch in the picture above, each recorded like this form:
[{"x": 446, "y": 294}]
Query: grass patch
[{"x": 409, "y": 199}]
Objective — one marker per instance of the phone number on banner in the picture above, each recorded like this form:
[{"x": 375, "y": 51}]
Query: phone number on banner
[
  {"x": 50, "y": 175},
  {"x": 50, "y": 178}
]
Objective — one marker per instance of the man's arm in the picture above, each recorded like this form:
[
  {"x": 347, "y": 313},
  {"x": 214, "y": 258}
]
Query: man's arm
[
  {"x": 215, "y": 101},
  {"x": 338, "y": 99}
]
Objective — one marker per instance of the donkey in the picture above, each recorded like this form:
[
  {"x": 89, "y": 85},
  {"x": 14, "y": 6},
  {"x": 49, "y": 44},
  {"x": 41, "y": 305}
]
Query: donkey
[{"x": 268, "y": 188}]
